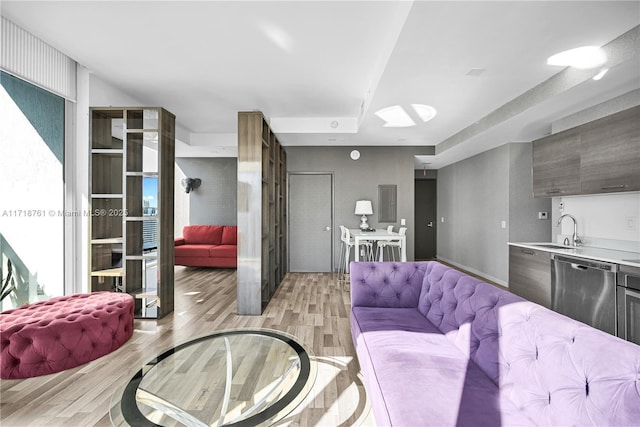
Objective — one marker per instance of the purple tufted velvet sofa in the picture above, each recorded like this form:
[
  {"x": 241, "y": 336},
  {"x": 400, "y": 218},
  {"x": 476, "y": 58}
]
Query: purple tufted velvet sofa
[
  {"x": 440, "y": 348},
  {"x": 63, "y": 332}
]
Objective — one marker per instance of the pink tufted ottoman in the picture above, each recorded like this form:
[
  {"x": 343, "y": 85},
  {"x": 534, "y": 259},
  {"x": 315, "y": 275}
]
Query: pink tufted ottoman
[{"x": 63, "y": 332}]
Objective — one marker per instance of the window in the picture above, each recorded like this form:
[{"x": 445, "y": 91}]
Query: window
[{"x": 32, "y": 190}]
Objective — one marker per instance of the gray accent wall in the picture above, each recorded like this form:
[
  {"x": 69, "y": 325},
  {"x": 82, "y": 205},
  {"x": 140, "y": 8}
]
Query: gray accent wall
[
  {"x": 524, "y": 225},
  {"x": 215, "y": 201},
  {"x": 475, "y": 196},
  {"x": 359, "y": 180}
]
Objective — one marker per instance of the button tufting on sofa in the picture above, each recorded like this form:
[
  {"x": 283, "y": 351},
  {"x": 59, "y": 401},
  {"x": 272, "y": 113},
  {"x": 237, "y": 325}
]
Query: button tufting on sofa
[{"x": 496, "y": 335}]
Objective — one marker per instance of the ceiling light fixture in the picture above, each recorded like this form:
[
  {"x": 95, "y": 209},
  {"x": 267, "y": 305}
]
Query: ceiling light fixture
[
  {"x": 426, "y": 112},
  {"x": 583, "y": 58},
  {"x": 600, "y": 74},
  {"x": 395, "y": 117}
]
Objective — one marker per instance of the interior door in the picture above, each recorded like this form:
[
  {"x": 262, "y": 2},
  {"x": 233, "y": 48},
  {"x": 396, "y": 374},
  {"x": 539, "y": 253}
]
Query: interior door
[
  {"x": 425, "y": 219},
  {"x": 310, "y": 222}
]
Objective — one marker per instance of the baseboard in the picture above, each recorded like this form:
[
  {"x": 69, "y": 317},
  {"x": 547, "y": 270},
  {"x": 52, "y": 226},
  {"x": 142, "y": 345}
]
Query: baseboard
[{"x": 472, "y": 270}]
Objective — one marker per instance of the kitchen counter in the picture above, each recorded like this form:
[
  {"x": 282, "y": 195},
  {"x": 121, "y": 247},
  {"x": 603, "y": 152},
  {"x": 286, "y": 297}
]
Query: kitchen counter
[{"x": 589, "y": 252}]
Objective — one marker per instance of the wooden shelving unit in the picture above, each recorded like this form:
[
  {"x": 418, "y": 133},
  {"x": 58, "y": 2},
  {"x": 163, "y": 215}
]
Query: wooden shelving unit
[
  {"x": 261, "y": 213},
  {"x": 132, "y": 187}
]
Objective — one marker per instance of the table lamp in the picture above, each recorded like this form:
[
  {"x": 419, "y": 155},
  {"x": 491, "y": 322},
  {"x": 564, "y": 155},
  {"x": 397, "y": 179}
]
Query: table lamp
[{"x": 364, "y": 208}]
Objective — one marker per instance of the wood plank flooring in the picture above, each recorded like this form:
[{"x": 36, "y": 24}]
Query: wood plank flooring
[{"x": 312, "y": 307}]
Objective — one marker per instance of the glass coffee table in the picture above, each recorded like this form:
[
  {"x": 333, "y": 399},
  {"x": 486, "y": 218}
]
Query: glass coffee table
[{"x": 230, "y": 378}]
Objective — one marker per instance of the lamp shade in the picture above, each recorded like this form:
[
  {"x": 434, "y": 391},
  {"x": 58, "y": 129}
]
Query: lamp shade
[{"x": 363, "y": 207}]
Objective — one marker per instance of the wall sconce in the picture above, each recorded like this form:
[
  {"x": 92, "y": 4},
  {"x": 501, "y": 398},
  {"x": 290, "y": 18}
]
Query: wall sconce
[
  {"x": 364, "y": 208},
  {"x": 190, "y": 184}
]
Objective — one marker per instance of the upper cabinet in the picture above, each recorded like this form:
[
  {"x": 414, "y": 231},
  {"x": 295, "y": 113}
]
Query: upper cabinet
[
  {"x": 556, "y": 165},
  {"x": 610, "y": 154},
  {"x": 598, "y": 157}
]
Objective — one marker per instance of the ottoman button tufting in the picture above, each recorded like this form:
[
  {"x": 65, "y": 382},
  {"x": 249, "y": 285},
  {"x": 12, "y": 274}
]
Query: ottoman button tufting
[{"x": 51, "y": 323}]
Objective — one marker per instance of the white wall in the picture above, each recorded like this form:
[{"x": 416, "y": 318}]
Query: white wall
[
  {"x": 602, "y": 220},
  {"x": 102, "y": 94}
]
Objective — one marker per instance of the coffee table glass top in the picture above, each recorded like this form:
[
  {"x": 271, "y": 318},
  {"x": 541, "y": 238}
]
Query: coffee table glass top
[{"x": 231, "y": 378}]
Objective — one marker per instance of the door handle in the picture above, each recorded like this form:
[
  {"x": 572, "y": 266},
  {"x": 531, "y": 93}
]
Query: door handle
[{"x": 430, "y": 224}]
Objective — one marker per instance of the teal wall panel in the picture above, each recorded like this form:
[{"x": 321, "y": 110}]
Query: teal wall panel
[{"x": 44, "y": 110}]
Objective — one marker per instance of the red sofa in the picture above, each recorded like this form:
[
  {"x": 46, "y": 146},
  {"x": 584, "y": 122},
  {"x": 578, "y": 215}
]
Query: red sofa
[{"x": 207, "y": 246}]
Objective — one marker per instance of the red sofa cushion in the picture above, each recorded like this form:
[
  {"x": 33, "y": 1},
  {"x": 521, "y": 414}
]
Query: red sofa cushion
[
  {"x": 193, "y": 261},
  {"x": 224, "y": 251},
  {"x": 190, "y": 250},
  {"x": 202, "y": 234},
  {"x": 230, "y": 235}
]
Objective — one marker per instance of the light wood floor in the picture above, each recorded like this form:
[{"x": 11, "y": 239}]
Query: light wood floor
[{"x": 312, "y": 307}]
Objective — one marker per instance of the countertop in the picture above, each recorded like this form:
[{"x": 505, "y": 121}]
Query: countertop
[{"x": 589, "y": 252}]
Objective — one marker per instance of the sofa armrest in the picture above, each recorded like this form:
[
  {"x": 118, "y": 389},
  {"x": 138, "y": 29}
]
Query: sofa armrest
[
  {"x": 386, "y": 284},
  {"x": 179, "y": 241}
]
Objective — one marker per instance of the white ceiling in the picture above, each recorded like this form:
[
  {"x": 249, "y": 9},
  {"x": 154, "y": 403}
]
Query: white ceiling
[{"x": 306, "y": 64}]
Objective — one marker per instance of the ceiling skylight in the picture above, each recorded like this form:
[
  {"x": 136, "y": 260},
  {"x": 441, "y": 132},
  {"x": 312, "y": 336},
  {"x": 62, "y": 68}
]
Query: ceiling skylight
[
  {"x": 426, "y": 112},
  {"x": 581, "y": 57},
  {"x": 395, "y": 117}
]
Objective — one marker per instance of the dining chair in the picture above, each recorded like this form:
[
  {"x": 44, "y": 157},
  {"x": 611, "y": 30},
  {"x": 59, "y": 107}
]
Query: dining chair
[
  {"x": 345, "y": 251},
  {"x": 346, "y": 243},
  {"x": 390, "y": 245},
  {"x": 382, "y": 244}
]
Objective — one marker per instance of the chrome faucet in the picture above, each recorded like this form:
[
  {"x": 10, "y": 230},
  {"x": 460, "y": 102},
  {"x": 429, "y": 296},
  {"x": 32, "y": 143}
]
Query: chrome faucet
[{"x": 576, "y": 239}]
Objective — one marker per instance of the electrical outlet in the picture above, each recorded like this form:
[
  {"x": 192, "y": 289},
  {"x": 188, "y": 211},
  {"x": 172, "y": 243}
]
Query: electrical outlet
[
  {"x": 441, "y": 219},
  {"x": 503, "y": 224},
  {"x": 403, "y": 222},
  {"x": 631, "y": 222}
]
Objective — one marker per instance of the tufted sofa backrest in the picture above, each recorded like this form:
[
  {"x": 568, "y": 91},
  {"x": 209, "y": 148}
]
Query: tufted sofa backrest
[
  {"x": 557, "y": 370},
  {"x": 386, "y": 284}
]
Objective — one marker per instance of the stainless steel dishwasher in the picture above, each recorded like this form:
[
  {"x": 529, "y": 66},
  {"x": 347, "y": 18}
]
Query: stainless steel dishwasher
[
  {"x": 585, "y": 290},
  {"x": 629, "y": 302}
]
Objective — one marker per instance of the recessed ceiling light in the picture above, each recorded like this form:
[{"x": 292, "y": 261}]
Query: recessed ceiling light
[
  {"x": 426, "y": 112},
  {"x": 600, "y": 74},
  {"x": 475, "y": 72},
  {"x": 395, "y": 117},
  {"x": 581, "y": 57}
]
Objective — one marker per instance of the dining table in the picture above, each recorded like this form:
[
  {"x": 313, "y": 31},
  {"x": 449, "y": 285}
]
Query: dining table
[{"x": 378, "y": 234}]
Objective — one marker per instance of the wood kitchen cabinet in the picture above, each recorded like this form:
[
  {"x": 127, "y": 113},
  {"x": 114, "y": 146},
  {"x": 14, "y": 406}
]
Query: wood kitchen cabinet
[
  {"x": 601, "y": 156},
  {"x": 610, "y": 154},
  {"x": 556, "y": 165},
  {"x": 530, "y": 274}
]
